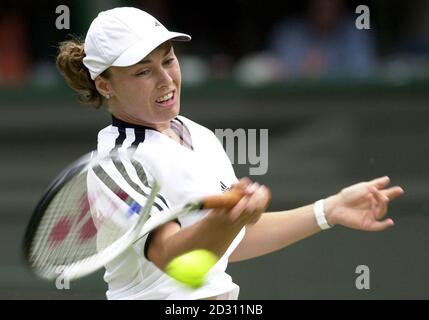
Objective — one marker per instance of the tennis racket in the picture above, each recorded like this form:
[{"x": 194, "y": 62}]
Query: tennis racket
[{"x": 77, "y": 229}]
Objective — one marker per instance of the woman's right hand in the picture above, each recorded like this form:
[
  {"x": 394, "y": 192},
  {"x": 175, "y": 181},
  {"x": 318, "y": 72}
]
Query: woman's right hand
[{"x": 249, "y": 209}]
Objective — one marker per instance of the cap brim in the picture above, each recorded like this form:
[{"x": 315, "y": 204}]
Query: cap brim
[{"x": 141, "y": 49}]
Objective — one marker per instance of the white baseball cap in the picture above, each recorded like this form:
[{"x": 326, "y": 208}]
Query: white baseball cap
[{"x": 122, "y": 37}]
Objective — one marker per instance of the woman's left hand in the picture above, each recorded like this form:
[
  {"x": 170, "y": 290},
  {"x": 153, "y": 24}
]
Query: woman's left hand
[{"x": 362, "y": 206}]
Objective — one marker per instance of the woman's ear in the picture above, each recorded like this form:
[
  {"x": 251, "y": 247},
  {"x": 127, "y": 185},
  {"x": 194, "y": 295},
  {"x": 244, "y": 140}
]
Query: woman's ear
[{"x": 104, "y": 87}]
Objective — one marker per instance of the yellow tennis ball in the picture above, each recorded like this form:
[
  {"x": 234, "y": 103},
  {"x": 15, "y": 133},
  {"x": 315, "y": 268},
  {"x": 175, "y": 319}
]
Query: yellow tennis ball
[{"x": 191, "y": 268}]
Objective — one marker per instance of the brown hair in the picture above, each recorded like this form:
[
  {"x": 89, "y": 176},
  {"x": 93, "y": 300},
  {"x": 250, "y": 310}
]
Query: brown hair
[{"x": 70, "y": 64}]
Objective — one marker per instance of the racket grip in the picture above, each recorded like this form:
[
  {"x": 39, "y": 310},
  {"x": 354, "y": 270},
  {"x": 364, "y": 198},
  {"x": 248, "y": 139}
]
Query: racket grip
[{"x": 227, "y": 200}]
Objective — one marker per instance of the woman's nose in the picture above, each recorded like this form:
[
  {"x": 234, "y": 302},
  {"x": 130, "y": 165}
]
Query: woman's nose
[{"x": 165, "y": 78}]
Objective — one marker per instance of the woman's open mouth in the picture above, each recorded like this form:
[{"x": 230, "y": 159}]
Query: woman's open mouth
[{"x": 167, "y": 100}]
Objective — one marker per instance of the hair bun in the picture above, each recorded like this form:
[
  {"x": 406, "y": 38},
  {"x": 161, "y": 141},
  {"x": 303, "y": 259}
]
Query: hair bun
[{"x": 70, "y": 64}]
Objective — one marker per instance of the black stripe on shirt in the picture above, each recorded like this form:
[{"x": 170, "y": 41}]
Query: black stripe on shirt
[
  {"x": 139, "y": 168},
  {"x": 140, "y": 135},
  {"x": 121, "y": 137},
  {"x": 113, "y": 186},
  {"x": 120, "y": 166},
  {"x": 141, "y": 174}
]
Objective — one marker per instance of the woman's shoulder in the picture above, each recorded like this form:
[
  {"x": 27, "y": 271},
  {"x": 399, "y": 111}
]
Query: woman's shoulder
[{"x": 107, "y": 133}]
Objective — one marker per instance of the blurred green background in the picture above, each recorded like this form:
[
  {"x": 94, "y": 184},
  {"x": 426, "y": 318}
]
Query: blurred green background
[{"x": 327, "y": 130}]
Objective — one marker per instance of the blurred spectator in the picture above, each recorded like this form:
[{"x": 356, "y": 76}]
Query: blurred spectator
[
  {"x": 14, "y": 57},
  {"x": 408, "y": 57},
  {"x": 324, "y": 43}
]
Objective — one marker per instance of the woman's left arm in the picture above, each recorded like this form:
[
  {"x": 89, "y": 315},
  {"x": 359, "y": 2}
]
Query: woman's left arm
[{"x": 361, "y": 206}]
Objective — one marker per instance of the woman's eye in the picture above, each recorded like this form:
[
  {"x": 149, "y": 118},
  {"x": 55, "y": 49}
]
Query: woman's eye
[
  {"x": 169, "y": 61},
  {"x": 142, "y": 73}
]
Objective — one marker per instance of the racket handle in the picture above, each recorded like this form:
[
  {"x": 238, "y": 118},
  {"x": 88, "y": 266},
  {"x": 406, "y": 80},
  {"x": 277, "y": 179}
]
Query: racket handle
[{"x": 227, "y": 200}]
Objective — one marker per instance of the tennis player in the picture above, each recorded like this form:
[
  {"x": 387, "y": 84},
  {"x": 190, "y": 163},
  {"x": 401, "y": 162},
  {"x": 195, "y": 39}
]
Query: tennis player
[{"x": 127, "y": 63}]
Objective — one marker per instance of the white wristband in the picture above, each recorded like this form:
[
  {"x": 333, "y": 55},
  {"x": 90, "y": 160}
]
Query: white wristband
[{"x": 319, "y": 213}]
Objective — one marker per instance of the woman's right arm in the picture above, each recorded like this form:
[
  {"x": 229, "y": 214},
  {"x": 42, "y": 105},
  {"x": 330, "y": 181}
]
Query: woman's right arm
[
  {"x": 170, "y": 240},
  {"x": 214, "y": 232}
]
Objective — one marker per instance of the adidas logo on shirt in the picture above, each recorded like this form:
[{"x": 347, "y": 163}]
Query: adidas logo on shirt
[{"x": 223, "y": 187}]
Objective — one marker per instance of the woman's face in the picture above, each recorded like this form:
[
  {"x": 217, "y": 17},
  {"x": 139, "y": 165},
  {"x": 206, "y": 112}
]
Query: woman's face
[{"x": 148, "y": 92}]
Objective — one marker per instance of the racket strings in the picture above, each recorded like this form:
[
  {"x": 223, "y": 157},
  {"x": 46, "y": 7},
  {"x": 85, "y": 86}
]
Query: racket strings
[
  {"x": 57, "y": 237},
  {"x": 51, "y": 231},
  {"x": 79, "y": 223}
]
